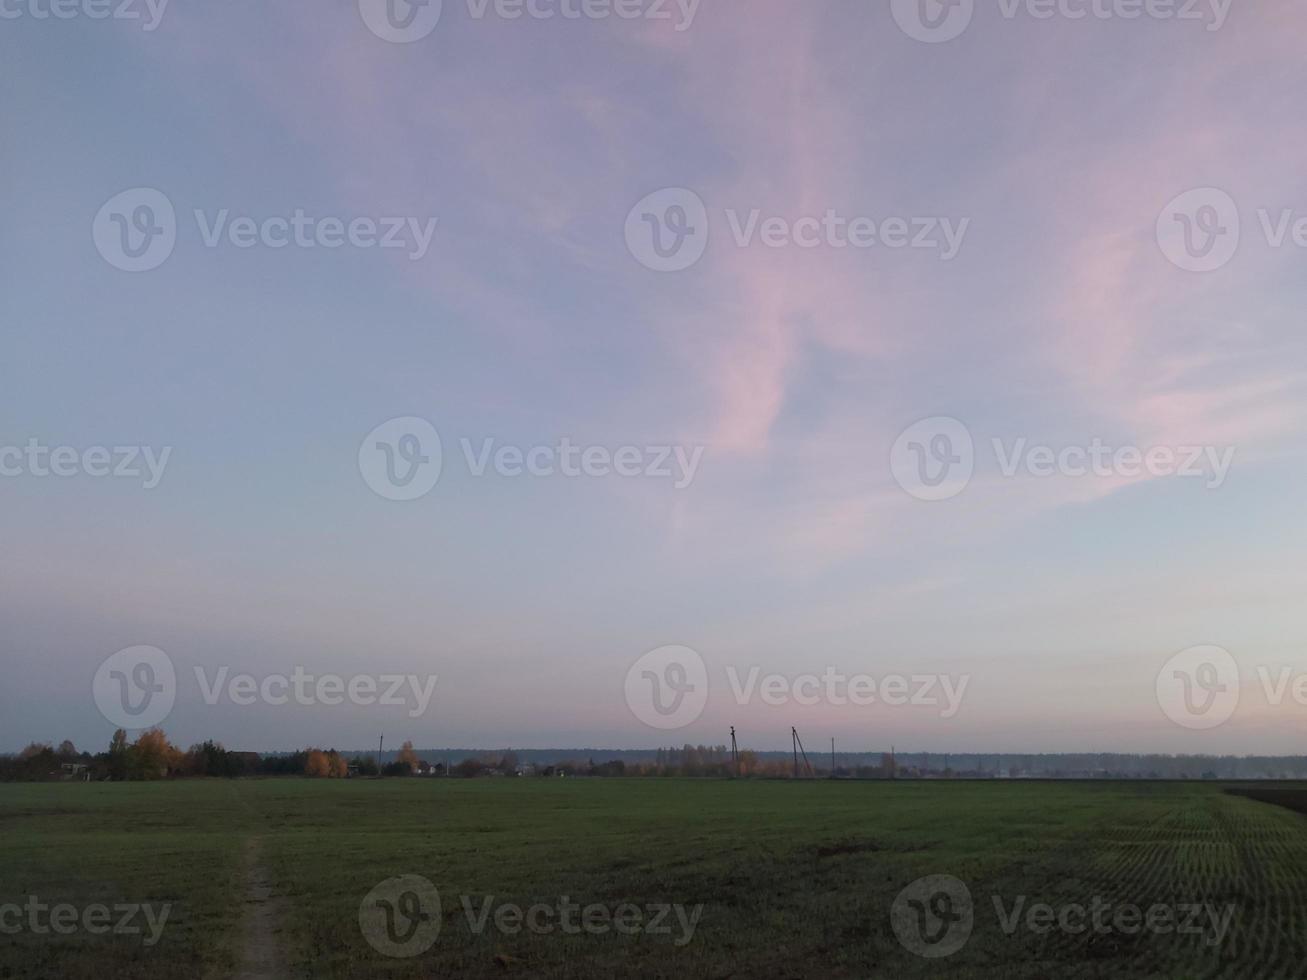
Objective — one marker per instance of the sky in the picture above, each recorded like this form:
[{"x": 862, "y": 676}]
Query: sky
[{"x": 594, "y": 369}]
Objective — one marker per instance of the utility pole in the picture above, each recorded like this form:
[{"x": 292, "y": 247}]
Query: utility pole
[
  {"x": 798, "y": 748},
  {"x": 832, "y": 758},
  {"x": 380, "y": 744},
  {"x": 735, "y": 753}
]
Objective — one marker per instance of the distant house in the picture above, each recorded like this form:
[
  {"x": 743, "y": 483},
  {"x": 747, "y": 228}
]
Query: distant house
[{"x": 76, "y": 772}]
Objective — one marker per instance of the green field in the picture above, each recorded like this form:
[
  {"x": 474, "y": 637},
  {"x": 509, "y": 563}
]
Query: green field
[{"x": 795, "y": 879}]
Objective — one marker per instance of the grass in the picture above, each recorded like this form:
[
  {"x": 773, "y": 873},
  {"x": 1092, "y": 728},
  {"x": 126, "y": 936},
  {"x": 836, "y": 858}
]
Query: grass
[{"x": 795, "y": 878}]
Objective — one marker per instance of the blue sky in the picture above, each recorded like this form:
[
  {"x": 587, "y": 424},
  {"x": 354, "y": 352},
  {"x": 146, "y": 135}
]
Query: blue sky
[{"x": 1062, "y": 318}]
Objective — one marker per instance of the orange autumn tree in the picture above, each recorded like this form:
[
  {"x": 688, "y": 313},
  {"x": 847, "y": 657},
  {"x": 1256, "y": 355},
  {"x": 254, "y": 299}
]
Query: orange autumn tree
[
  {"x": 407, "y": 755},
  {"x": 325, "y": 765},
  {"x": 153, "y": 756}
]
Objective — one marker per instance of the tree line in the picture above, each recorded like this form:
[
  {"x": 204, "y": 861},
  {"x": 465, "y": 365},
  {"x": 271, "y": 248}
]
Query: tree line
[{"x": 152, "y": 756}]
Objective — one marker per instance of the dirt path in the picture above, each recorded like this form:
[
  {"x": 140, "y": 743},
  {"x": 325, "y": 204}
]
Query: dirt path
[{"x": 262, "y": 956}]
